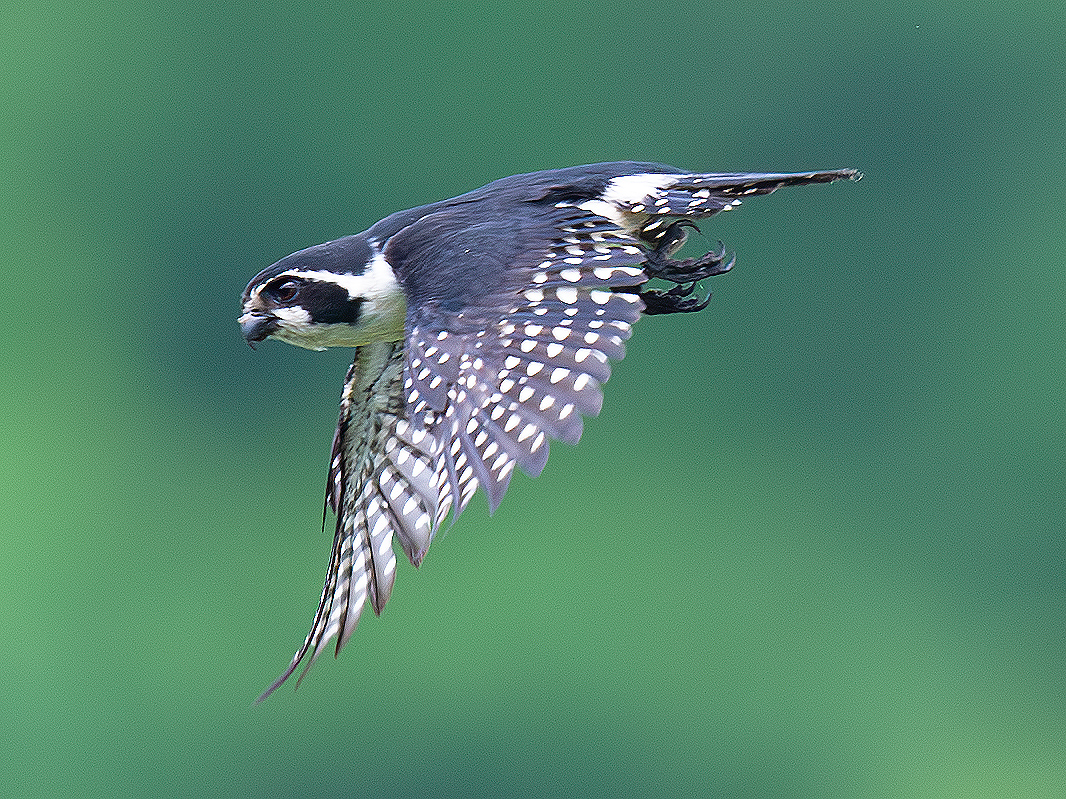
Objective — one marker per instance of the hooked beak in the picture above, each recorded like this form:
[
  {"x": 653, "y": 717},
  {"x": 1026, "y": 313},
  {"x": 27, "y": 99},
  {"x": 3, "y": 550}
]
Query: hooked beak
[{"x": 255, "y": 327}]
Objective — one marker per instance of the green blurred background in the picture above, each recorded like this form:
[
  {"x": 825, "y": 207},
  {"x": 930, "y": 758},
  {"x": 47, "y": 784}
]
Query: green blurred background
[{"x": 813, "y": 545}]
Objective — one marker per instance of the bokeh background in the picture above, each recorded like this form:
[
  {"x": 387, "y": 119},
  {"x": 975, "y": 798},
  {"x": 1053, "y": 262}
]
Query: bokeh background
[{"x": 812, "y": 547}]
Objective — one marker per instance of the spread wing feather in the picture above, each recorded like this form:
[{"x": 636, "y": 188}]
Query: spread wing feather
[
  {"x": 474, "y": 392},
  {"x": 382, "y": 484}
]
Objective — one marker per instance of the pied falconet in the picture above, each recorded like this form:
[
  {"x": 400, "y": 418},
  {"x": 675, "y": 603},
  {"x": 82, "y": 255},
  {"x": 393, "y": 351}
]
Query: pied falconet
[{"x": 484, "y": 325}]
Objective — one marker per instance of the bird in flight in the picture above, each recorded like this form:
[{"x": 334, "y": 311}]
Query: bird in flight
[{"x": 483, "y": 326}]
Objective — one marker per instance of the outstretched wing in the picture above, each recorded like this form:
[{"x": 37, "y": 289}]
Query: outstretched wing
[
  {"x": 494, "y": 363},
  {"x": 511, "y": 325},
  {"x": 364, "y": 466}
]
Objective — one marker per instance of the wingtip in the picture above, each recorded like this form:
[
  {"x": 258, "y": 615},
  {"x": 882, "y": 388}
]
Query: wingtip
[{"x": 276, "y": 684}]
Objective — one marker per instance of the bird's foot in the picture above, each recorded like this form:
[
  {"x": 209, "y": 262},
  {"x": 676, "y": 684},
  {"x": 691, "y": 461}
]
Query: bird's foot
[
  {"x": 678, "y": 299},
  {"x": 658, "y": 264},
  {"x": 683, "y": 273}
]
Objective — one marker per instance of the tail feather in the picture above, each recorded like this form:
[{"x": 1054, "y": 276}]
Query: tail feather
[{"x": 701, "y": 195}]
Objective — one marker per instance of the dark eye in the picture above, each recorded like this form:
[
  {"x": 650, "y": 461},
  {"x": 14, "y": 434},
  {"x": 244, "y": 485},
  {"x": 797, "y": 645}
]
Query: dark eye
[{"x": 285, "y": 291}]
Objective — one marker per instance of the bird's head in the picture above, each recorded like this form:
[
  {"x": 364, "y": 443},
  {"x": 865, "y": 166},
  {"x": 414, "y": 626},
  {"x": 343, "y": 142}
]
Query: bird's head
[{"x": 339, "y": 294}]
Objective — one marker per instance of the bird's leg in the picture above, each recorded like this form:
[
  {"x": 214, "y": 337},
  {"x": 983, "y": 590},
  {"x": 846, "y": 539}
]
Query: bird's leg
[{"x": 684, "y": 273}]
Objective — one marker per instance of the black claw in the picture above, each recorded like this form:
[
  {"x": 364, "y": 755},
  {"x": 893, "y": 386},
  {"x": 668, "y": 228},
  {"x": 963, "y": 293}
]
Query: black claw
[{"x": 677, "y": 230}]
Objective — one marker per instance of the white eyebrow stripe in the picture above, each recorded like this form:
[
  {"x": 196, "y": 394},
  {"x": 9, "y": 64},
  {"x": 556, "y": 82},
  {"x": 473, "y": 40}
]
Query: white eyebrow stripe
[{"x": 376, "y": 280}]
